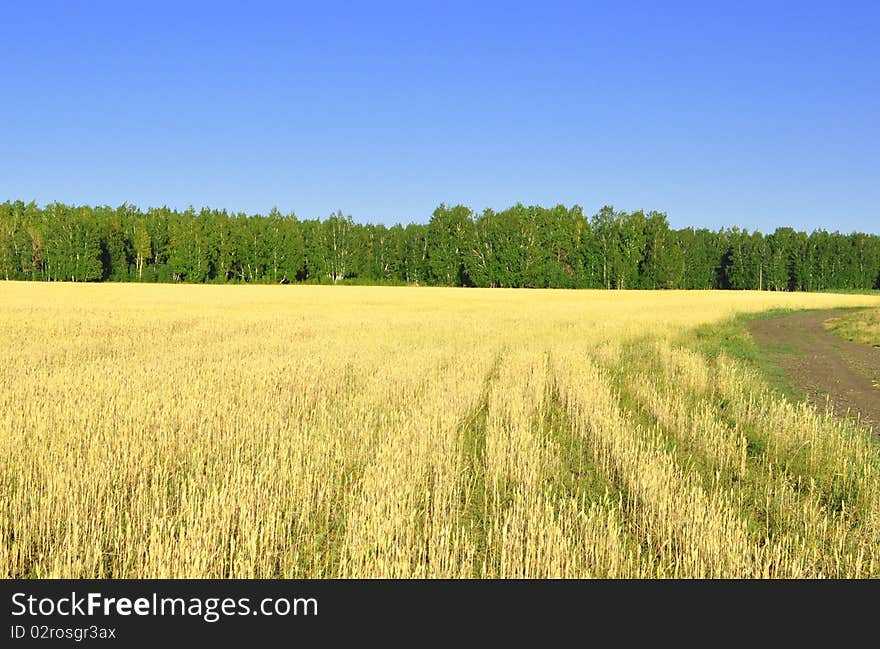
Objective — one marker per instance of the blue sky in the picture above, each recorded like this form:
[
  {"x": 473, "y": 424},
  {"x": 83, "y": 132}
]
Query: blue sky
[{"x": 751, "y": 114}]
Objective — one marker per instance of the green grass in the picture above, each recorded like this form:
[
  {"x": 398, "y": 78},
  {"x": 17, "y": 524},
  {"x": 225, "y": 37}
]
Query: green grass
[
  {"x": 733, "y": 339},
  {"x": 780, "y": 349},
  {"x": 861, "y": 326}
]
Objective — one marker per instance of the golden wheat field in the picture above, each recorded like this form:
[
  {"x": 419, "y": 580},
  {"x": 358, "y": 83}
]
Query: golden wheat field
[{"x": 299, "y": 431}]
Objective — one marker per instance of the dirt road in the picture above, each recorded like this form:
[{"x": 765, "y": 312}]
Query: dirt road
[{"x": 824, "y": 366}]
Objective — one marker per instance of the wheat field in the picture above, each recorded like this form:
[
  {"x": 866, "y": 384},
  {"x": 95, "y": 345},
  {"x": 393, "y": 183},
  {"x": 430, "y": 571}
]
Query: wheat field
[{"x": 279, "y": 431}]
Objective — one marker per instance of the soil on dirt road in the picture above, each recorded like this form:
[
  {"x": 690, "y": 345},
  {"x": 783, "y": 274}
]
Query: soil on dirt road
[{"x": 828, "y": 369}]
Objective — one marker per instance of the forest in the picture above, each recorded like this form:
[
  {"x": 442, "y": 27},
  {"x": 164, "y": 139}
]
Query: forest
[{"x": 523, "y": 246}]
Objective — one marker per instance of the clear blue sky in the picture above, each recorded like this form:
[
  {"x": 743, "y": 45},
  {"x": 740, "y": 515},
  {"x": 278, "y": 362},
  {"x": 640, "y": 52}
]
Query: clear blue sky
[{"x": 755, "y": 114}]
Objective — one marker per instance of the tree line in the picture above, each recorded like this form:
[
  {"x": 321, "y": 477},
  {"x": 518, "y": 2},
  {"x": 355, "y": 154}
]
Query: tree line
[{"x": 557, "y": 247}]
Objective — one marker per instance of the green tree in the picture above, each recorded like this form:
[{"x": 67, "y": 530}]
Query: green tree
[
  {"x": 116, "y": 245},
  {"x": 748, "y": 260},
  {"x": 449, "y": 237},
  {"x": 663, "y": 262},
  {"x": 73, "y": 244},
  {"x": 338, "y": 246}
]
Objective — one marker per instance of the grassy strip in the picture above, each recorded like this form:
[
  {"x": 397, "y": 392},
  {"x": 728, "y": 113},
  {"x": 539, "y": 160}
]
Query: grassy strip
[
  {"x": 474, "y": 492},
  {"x": 860, "y": 326},
  {"x": 578, "y": 476}
]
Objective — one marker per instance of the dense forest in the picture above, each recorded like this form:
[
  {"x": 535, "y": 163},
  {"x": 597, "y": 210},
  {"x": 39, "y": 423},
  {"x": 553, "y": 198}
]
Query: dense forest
[{"x": 518, "y": 247}]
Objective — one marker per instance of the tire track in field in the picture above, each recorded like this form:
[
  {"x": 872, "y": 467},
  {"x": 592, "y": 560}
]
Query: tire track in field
[
  {"x": 827, "y": 368},
  {"x": 474, "y": 505}
]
